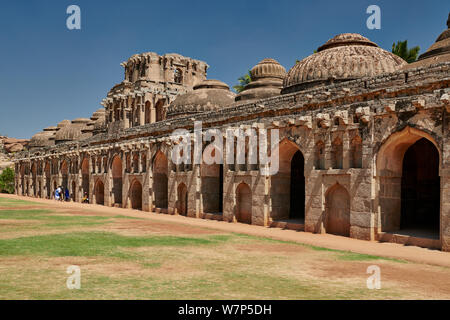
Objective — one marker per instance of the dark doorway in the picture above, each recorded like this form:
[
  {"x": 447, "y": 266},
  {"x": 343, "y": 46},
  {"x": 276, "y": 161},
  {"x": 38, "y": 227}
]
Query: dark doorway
[
  {"x": 297, "y": 197},
  {"x": 420, "y": 209}
]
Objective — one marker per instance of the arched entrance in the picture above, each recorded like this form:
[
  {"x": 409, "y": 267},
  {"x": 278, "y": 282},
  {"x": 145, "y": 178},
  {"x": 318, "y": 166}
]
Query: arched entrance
[
  {"x": 47, "y": 179},
  {"x": 117, "y": 180},
  {"x": 147, "y": 112},
  {"x": 243, "y": 203},
  {"x": 85, "y": 176},
  {"x": 159, "y": 110},
  {"x": 337, "y": 214},
  {"x": 212, "y": 187},
  {"x": 100, "y": 193},
  {"x": 65, "y": 174},
  {"x": 409, "y": 184},
  {"x": 420, "y": 205},
  {"x": 288, "y": 185},
  {"x": 136, "y": 195},
  {"x": 74, "y": 191},
  {"x": 33, "y": 180},
  {"x": 160, "y": 181},
  {"x": 182, "y": 199}
]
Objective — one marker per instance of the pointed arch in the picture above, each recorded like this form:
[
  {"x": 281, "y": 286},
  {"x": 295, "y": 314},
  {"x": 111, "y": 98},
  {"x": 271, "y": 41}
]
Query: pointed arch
[
  {"x": 160, "y": 180},
  {"x": 288, "y": 184},
  {"x": 407, "y": 167},
  {"x": 243, "y": 211},
  {"x": 337, "y": 211},
  {"x": 136, "y": 195}
]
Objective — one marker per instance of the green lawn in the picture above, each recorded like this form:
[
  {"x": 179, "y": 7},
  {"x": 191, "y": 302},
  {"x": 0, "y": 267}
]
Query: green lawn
[{"x": 38, "y": 244}]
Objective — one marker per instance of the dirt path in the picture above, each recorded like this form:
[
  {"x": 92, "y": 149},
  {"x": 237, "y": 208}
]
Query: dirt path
[{"x": 391, "y": 250}]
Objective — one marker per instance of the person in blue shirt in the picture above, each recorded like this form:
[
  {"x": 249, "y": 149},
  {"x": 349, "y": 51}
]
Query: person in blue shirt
[{"x": 67, "y": 195}]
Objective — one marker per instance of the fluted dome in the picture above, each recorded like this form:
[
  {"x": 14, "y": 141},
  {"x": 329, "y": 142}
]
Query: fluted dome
[
  {"x": 97, "y": 114},
  {"x": 438, "y": 52},
  {"x": 64, "y": 123},
  {"x": 267, "y": 81},
  {"x": 73, "y": 131},
  {"x": 345, "y": 57},
  {"x": 208, "y": 95},
  {"x": 42, "y": 139}
]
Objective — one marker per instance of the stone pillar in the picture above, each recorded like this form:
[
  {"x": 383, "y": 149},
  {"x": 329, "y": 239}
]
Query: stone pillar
[
  {"x": 346, "y": 150},
  {"x": 445, "y": 210}
]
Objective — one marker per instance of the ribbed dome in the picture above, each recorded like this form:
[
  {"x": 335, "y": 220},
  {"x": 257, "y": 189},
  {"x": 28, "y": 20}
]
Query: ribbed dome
[
  {"x": 438, "y": 52},
  {"x": 42, "y": 139},
  {"x": 346, "y": 57},
  {"x": 64, "y": 123},
  {"x": 73, "y": 131},
  {"x": 267, "y": 81},
  {"x": 268, "y": 68},
  {"x": 208, "y": 95},
  {"x": 97, "y": 114}
]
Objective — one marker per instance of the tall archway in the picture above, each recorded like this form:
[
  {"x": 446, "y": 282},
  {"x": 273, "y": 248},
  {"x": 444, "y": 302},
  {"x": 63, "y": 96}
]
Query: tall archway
[
  {"x": 117, "y": 180},
  {"x": 47, "y": 179},
  {"x": 212, "y": 187},
  {"x": 147, "y": 112},
  {"x": 420, "y": 188},
  {"x": 288, "y": 185},
  {"x": 100, "y": 193},
  {"x": 136, "y": 195},
  {"x": 182, "y": 199},
  {"x": 160, "y": 180},
  {"x": 243, "y": 203},
  {"x": 409, "y": 184},
  {"x": 74, "y": 191},
  {"x": 34, "y": 179},
  {"x": 65, "y": 174},
  {"x": 85, "y": 176},
  {"x": 159, "y": 109},
  {"x": 337, "y": 214}
]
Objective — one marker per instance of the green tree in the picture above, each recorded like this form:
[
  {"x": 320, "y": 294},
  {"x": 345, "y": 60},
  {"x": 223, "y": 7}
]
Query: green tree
[
  {"x": 7, "y": 181},
  {"x": 401, "y": 49},
  {"x": 243, "y": 81}
]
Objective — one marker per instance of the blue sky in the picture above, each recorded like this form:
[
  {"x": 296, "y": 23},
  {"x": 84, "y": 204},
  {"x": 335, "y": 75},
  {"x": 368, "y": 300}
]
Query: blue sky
[{"x": 49, "y": 73}]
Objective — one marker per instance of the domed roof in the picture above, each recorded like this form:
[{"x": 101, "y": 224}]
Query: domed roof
[
  {"x": 42, "y": 139},
  {"x": 268, "y": 68},
  {"x": 208, "y": 95},
  {"x": 267, "y": 81},
  {"x": 97, "y": 114},
  {"x": 438, "y": 52},
  {"x": 73, "y": 131},
  {"x": 64, "y": 123},
  {"x": 345, "y": 57}
]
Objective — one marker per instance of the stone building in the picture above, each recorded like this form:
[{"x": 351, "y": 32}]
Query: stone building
[{"x": 364, "y": 144}]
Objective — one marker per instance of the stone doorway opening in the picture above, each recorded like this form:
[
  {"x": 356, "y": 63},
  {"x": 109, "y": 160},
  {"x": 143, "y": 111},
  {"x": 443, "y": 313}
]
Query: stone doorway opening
[
  {"x": 117, "y": 180},
  {"x": 160, "y": 181},
  {"x": 337, "y": 211},
  {"x": 136, "y": 195},
  {"x": 100, "y": 193},
  {"x": 408, "y": 166},
  {"x": 243, "y": 203},
  {"x": 288, "y": 188},
  {"x": 85, "y": 176},
  {"x": 182, "y": 199},
  {"x": 74, "y": 191},
  {"x": 420, "y": 190},
  {"x": 212, "y": 189}
]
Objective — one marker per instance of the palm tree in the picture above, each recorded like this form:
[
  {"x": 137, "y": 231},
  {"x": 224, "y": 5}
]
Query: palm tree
[
  {"x": 243, "y": 81},
  {"x": 401, "y": 49}
]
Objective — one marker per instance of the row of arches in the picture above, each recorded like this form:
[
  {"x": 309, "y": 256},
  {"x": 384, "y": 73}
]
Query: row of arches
[{"x": 407, "y": 175}]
